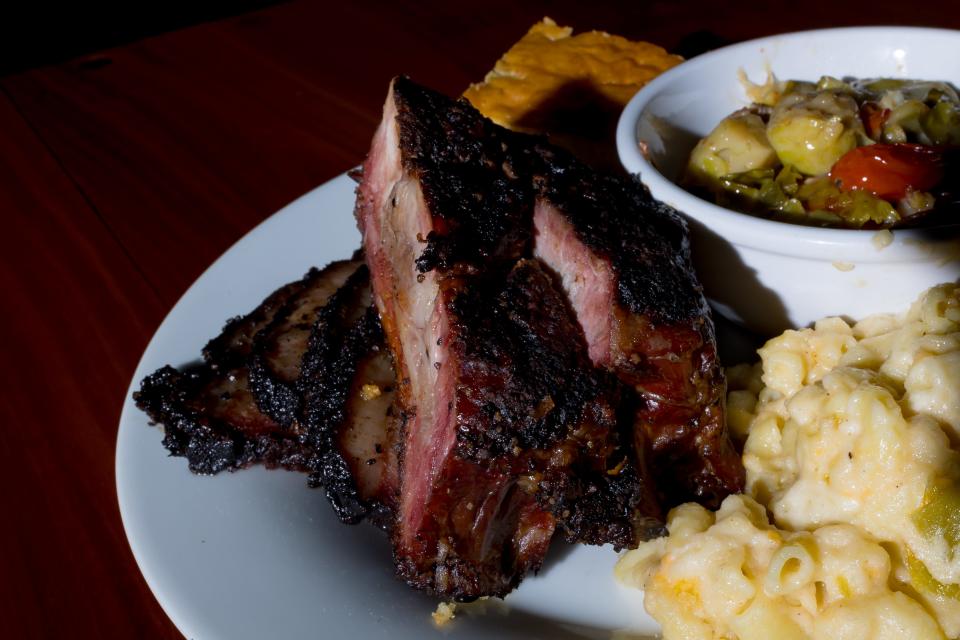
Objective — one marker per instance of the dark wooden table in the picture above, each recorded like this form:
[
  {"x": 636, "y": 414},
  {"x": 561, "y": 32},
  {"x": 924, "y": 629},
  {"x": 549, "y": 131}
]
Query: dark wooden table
[{"x": 123, "y": 174}]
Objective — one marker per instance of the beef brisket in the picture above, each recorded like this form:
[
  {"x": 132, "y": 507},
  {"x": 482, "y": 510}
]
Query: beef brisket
[
  {"x": 509, "y": 430},
  {"x": 276, "y": 387},
  {"x": 462, "y": 530},
  {"x": 534, "y": 403},
  {"x": 624, "y": 260},
  {"x": 525, "y": 348}
]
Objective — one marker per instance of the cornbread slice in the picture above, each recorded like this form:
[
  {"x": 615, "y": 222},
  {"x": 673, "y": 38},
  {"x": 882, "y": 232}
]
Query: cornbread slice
[{"x": 572, "y": 87}]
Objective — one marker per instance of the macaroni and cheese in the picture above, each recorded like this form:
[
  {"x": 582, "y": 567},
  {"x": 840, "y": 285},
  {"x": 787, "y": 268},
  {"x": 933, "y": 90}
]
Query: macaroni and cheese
[{"x": 850, "y": 444}]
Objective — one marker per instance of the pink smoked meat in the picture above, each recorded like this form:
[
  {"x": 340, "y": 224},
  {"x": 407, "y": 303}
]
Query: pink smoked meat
[
  {"x": 509, "y": 431},
  {"x": 526, "y": 348},
  {"x": 624, "y": 261}
]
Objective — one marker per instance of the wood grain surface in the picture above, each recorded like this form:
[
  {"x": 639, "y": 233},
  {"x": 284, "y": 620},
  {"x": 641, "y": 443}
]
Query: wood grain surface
[{"x": 125, "y": 173}]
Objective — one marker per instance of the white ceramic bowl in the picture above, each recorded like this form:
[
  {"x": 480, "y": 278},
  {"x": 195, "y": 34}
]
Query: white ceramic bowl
[{"x": 770, "y": 275}]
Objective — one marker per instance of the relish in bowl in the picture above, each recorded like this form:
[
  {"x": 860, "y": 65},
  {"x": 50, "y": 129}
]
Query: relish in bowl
[
  {"x": 856, "y": 153},
  {"x": 770, "y": 269}
]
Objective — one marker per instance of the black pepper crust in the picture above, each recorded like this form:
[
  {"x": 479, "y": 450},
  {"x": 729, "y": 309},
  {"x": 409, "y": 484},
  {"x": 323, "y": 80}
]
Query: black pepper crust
[
  {"x": 644, "y": 240},
  {"x": 475, "y": 178},
  {"x": 274, "y": 398},
  {"x": 235, "y": 410},
  {"x": 176, "y": 400},
  {"x": 598, "y": 506},
  {"x": 326, "y": 382},
  {"x": 275, "y": 360},
  {"x": 235, "y": 341},
  {"x": 530, "y": 398},
  {"x": 524, "y": 368}
]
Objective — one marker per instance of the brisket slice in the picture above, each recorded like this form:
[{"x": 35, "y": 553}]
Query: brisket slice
[
  {"x": 624, "y": 260},
  {"x": 208, "y": 411},
  {"x": 345, "y": 355},
  {"x": 462, "y": 529},
  {"x": 507, "y": 428},
  {"x": 224, "y": 413},
  {"x": 530, "y": 403},
  {"x": 213, "y": 422},
  {"x": 329, "y": 299},
  {"x": 367, "y": 444}
]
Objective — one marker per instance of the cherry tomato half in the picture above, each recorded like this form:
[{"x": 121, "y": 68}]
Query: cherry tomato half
[{"x": 890, "y": 170}]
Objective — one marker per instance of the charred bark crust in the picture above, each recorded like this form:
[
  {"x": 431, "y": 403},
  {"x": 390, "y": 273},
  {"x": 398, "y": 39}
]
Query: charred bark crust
[
  {"x": 241, "y": 406},
  {"x": 643, "y": 239},
  {"x": 210, "y": 445},
  {"x": 681, "y": 394},
  {"x": 325, "y": 384},
  {"x": 534, "y": 403},
  {"x": 524, "y": 352},
  {"x": 473, "y": 174}
]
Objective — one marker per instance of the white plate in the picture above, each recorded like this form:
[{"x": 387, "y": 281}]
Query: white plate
[{"x": 257, "y": 554}]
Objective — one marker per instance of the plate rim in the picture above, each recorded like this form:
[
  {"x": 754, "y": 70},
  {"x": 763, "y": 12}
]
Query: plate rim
[{"x": 129, "y": 407}]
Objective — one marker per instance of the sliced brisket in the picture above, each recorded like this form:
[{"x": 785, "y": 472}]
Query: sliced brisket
[
  {"x": 276, "y": 388},
  {"x": 278, "y": 348},
  {"x": 532, "y": 403},
  {"x": 462, "y": 530},
  {"x": 528, "y": 348},
  {"x": 624, "y": 260},
  {"x": 508, "y": 429},
  {"x": 208, "y": 412}
]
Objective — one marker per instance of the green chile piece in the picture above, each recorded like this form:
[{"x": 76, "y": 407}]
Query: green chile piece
[
  {"x": 829, "y": 83},
  {"x": 828, "y": 204},
  {"x": 882, "y": 85},
  {"x": 905, "y": 119},
  {"x": 922, "y": 581},
  {"x": 939, "y": 517},
  {"x": 762, "y": 190},
  {"x": 942, "y": 123}
]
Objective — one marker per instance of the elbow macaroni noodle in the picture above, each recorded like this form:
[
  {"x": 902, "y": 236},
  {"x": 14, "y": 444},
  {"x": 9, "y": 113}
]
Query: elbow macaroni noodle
[{"x": 850, "y": 441}]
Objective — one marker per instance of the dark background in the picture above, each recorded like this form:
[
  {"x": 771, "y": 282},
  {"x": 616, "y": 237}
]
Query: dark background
[
  {"x": 137, "y": 143},
  {"x": 34, "y": 33},
  {"x": 42, "y": 32}
]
